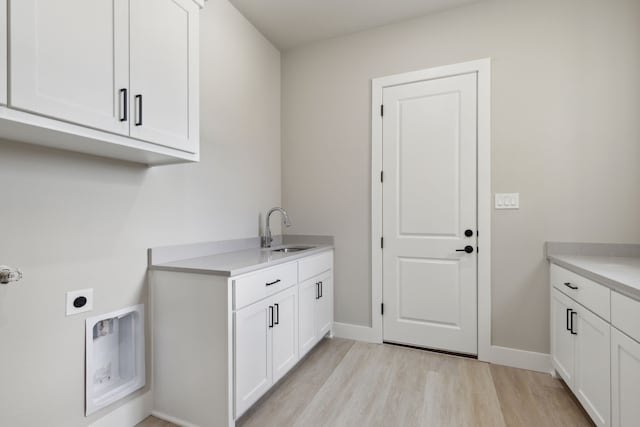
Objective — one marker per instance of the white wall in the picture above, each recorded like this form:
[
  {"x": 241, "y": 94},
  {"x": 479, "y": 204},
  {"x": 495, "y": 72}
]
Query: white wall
[
  {"x": 72, "y": 221},
  {"x": 565, "y": 129}
]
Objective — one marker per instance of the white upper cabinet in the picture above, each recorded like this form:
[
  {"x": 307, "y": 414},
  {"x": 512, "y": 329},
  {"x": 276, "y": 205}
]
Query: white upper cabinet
[
  {"x": 164, "y": 72},
  {"x": 3, "y": 52},
  {"x": 69, "y": 61},
  {"x": 114, "y": 78}
]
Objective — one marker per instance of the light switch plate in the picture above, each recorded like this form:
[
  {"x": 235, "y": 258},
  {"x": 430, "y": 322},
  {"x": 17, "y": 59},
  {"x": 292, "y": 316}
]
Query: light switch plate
[
  {"x": 71, "y": 297},
  {"x": 507, "y": 200}
]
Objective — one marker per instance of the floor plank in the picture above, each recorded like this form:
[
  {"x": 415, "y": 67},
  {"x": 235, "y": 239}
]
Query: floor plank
[{"x": 347, "y": 383}]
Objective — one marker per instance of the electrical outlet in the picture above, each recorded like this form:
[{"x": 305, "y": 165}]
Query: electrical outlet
[
  {"x": 79, "y": 301},
  {"x": 507, "y": 200}
]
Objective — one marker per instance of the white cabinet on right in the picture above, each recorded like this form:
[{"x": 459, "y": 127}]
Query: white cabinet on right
[
  {"x": 316, "y": 300},
  {"x": 592, "y": 360},
  {"x": 580, "y": 354},
  {"x": 580, "y": 337},
  {"x": 625, "y": 380}
]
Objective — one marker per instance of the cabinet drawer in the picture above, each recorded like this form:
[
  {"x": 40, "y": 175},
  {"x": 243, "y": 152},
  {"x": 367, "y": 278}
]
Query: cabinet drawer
[
  {"x": 625, "y": 315},
  {"x": 314, "y": 265},
  {"x": 590, "y": 294},
  {"x": 256, "y": 286}
]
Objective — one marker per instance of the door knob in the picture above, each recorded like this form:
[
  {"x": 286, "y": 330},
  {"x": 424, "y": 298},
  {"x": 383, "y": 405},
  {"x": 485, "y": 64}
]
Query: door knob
[{"x": 468, "y": 249}]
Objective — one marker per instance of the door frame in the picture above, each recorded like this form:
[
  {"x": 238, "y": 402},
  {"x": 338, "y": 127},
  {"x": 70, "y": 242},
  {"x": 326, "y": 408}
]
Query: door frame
[{"x": 482, "y": 68}]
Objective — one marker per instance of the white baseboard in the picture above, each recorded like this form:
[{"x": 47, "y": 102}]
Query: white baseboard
[
  {"x": 540, "y": 362},
  {"x": 354, "y": 332},
  {"x": 171, "y": 419},
  {"x": 129, "y": 414}
]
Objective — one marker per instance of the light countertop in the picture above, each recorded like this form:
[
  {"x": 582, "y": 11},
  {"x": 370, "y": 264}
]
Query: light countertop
[
  {"x": 619, "y": 273},
  {"x": 237, "y": 262}
]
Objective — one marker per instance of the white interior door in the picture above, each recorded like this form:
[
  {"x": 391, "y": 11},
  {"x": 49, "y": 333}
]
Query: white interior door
[
  {"x": 69, "y": 60},
  {"x": 3, "y": 52},
  {"x": 429, "y": 201},
  {"x": 164, "y": 72}
]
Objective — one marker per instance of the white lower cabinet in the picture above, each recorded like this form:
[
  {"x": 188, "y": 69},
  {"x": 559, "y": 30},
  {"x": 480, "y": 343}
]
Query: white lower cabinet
[
  {"x": 592, "y": 361},
  {"x": 253, "y": 353},
  {"x": 220, "y": 343},
  {"x": 284, "y": 332},
  {"x": 625, "y": 380},
  {"x": 316, "y": 310},
  {"x": 580, "y": 354},
  {"x": 562, "y": 342},
  {"x": 266, "y": 345},
  {"x": 308, "y": 331}
]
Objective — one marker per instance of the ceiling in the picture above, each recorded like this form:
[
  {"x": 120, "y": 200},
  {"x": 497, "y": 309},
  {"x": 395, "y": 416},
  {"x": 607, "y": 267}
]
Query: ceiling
[{"x": 291, "y": 23}]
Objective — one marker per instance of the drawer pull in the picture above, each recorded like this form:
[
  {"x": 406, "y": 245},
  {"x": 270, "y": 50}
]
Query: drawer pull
[
  {"x": 277, "y": 322},
  {"x": 271, "y": 316},
  {"x": 272, "y": 283},
  {"x": 570, "y": 286}
]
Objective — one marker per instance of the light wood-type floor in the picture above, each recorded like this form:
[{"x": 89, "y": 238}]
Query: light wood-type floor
[{"x": 347, "y": 383}]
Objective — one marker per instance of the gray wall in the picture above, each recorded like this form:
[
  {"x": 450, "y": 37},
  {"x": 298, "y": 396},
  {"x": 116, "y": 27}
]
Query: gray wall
[
  {"x": 73, "y": 221},
  {"x": 565, "y": 134}
]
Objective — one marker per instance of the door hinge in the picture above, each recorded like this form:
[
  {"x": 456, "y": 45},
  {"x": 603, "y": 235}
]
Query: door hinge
[
  {"x": 382, "y": 243},
  {"x": 381, "y": 176},
  {"x": 382, "y": 309},
  {"x": 382, "y": 110}
]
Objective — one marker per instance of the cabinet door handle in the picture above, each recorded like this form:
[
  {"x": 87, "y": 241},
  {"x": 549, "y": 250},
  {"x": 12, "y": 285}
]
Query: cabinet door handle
[
  {"x": 139, "y": 110},
  {"x": 321, "y": 289},
  {"x": 572, "y": 331},
  {"x": 569, "y": 311},
  {"x": 271, "y": 316},
  {"x": 272, "y": 283},
  {"x": 123, "y": 105},
  {"x": 277, "y": 322},
  {"x": 570, "y": 286},
  {"x": 317, "y": 290}
]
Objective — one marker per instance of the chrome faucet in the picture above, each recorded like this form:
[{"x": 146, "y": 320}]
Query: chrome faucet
[{"x": 266, "y": 239}]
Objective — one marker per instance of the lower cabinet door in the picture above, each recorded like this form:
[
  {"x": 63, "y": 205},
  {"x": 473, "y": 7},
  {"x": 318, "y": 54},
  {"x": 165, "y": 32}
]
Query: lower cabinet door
[
  {"x": 252, "y": 353},
  {"x": 307, "y": 329},
  {"x": 562, "y": 342},
  {"x": 625, "y": 380},
  {"x": 285, "y": 332},
  {"x": 592, "y": 382},
  {"x": 324, "y": 305}
]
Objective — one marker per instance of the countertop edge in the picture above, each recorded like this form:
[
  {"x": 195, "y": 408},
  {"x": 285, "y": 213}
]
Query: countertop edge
[
  {"x": 614, "y": 285},
  {"x": 244, "y": 270}
]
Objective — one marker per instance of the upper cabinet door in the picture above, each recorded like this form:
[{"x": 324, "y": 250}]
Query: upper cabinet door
[
  {"x": 3, "y": 52},
  {"x": 164, "y": 72},
  {"x": 69, "y": 61}
]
